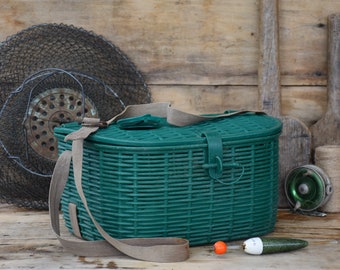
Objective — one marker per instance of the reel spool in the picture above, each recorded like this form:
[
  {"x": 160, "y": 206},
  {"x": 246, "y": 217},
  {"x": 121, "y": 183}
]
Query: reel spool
[{"x": 307, "y": 188}]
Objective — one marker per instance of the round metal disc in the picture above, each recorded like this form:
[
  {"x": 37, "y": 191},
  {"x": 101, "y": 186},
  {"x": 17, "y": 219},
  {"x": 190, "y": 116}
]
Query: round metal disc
[
  {"x": 50, "y": 109},
  {"x": 86, "y": 62}
]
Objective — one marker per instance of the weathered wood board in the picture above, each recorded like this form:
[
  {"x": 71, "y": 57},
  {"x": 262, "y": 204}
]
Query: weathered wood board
[
  {"x": 295, "y": 139},
  {"x": 326, "y": 130},
  {"x": 209, "y": 43},
  {"x": 303, "y": 40},
  {"x": 27, "y": 242},
  {"x": 172, "y": 42},
  {"x": 307, "y": 102}
]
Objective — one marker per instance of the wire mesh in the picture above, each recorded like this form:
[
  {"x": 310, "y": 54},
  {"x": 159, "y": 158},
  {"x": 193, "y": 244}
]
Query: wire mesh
[{"x": 52, "y": 74}]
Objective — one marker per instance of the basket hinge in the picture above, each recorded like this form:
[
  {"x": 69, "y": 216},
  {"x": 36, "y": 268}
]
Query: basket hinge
[{"x": 215, "y": 154}]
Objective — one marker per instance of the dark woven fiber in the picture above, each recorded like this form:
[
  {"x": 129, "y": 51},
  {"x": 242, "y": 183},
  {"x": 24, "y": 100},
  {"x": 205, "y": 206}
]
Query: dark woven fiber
[{"x": 52, "y": 74}]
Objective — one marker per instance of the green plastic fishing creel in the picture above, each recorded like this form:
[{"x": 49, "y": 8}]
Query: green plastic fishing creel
[{"x": 216, "y": 180}]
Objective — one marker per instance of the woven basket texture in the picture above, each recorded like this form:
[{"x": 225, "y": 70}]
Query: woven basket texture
[{"x": 155, "y": 183}]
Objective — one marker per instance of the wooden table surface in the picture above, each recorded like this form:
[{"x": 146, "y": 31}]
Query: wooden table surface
[{"x": 27, "y": 242}]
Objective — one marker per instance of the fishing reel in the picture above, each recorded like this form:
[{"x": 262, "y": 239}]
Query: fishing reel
[{"x": 307, "y": 189}]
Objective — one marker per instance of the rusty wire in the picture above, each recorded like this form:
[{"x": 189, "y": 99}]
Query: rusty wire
[{"x": 52, "y": 74}]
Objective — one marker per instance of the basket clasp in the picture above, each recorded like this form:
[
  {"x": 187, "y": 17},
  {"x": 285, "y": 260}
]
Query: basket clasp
[{"x": 215, "y": 154}]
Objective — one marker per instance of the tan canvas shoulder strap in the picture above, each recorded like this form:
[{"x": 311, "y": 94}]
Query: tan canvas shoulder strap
[{"x": 150, "y": 249}]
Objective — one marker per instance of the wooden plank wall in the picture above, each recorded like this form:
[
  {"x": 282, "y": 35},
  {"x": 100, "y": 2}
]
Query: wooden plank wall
[{"x": 200, "y": 54}]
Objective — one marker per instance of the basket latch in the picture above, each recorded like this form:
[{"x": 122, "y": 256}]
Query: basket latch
[{"x": 215, "y": 154}]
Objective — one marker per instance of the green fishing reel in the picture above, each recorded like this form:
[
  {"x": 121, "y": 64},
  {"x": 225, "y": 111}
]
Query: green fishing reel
[{"x": 307, "y": 188}]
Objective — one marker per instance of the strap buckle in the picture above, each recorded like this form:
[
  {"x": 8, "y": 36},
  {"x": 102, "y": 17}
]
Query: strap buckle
[{"x": 93, "y": 122}]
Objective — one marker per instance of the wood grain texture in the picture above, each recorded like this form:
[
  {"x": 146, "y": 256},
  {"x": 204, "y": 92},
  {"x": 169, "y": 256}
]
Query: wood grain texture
[
  {"x": 308, "y": 103},
  {"x": 269, "y": 66},
  {"x": 27, "y": 242},
  {"x": 200, "y": 43},
  {"x": 294, "y": 142},
  {"x": 303, "y": 41},
  {"x": 207, "y": 99},
  {"x": 326, "y": 130},
  {"x": 208, "y": 42},
  {"x": 172, "y": 42}
]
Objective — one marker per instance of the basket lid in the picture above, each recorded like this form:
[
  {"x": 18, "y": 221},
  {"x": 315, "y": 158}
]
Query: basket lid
[{"x": 239, "y": 127}]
